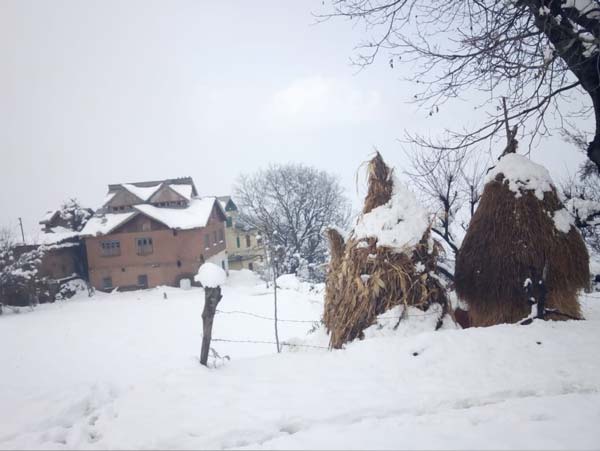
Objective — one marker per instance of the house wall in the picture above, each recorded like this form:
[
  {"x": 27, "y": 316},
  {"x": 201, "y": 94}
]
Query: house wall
[
  {"x": 176, "y": 254},
  {"x": 60, "y": 263},
  {"x": 244, "y": 256}
]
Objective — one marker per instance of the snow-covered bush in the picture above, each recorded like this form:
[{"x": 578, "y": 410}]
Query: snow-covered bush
[
  {"x": 74, "y": 215},
  {"x": 20, "y": 283},
  {"x": 70, "y": 289}
]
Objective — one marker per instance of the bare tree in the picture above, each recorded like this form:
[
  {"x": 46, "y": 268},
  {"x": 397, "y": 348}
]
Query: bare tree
[
  {"x": 542, "y": 55},
  {"x": 583, "y": 202},
  {"x": 437, "y": 176},
  {"x": 291, "y": 206},
  {"x": 447, "y": 180}
]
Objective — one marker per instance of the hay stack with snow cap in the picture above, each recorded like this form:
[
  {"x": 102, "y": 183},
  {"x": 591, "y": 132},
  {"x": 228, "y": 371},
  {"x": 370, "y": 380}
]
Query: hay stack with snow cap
[
  {"x": 520, "y": 227},
  {"x": 389, "y": 259}
]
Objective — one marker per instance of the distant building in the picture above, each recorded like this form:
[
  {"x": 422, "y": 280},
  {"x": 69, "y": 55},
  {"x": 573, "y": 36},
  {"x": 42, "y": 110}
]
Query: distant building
[
  {"x": 244, "y": 247},
  {"x": 153, "y": 233}
]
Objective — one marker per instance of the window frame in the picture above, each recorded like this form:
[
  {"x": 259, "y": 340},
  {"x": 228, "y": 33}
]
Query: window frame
[
  {"x": 146, "y": 248},
  {"x": 110, "y": 248}
]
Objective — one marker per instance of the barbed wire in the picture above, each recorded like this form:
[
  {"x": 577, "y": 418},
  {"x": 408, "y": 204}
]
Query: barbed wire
[
  {"x": 269, "y": 318},
  {"x": 226, "y": 340},
  {"x": 239, "y": 312}
]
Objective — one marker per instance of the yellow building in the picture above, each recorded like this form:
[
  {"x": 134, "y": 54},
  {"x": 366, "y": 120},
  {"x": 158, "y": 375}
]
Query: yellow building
[{"x": 244, "y": 247}]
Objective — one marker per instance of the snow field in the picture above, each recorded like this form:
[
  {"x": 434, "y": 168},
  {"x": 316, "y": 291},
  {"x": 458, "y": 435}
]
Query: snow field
[{"x": 121, "y": 371}]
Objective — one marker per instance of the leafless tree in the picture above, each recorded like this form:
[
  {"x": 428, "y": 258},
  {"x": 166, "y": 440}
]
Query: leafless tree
[
  {"x": 541, "y": 55},
  {"x": 582, "y": 199},
  {"x": 447, "y": 180},
  {"x": 291, "y": 206}
]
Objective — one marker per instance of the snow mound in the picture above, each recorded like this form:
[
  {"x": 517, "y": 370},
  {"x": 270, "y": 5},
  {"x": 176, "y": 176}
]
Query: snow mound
[
  {"x": 522, "y": 174},
  {"x": 289, "y": 282},
  {"x": 211, "y": 275},
  {"x": 398, "y": 224},
  {"x": 562, "y": 220}
]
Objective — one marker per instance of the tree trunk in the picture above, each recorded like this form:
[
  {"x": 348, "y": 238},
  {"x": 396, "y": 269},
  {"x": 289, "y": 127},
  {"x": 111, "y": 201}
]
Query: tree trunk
[
  {"x": 212, "y": 296},
  {"x": 573, "y": 53},
  {"x": 593, "y": 150}
]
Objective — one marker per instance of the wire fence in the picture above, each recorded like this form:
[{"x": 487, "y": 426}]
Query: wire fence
[
  {"x": 314, "y": 322},
  {"x": 265, "y": 342}
]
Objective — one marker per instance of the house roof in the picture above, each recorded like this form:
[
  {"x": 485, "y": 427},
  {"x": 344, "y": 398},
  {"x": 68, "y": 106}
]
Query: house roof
[
  {"x": 54, "y": 236},
  {"x": 225, "y": 200},
  {"x": 184, "y": 186},
  {"x": 142, "y": 192},
  {"x": 196, "y": 215},
  {"x": 101, "y": 224}
]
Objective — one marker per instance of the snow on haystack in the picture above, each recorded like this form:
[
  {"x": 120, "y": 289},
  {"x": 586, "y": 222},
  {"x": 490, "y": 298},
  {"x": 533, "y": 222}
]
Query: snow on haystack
[
  {"x": 521, "y": 174},
  {"x": 211, "y": 275},
  {"x": 388, "y": 260},
  {"x": 398, "y": 223}
]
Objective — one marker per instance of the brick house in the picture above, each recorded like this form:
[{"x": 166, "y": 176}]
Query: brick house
[
  {"x": 244, "y": 247},
  {"x": 153, "y": 233}
]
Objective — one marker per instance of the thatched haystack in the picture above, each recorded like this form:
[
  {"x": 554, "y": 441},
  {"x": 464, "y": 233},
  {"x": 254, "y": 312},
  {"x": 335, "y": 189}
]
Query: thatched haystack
[
  {"x": 519, "y": 228},
  {"x": 389, "y": 259}
]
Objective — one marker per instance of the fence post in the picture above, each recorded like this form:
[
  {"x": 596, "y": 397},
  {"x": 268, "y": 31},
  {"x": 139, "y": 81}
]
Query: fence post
[
  {"x": 212, "y": 296},
  {"x": 275, "y": 296}
]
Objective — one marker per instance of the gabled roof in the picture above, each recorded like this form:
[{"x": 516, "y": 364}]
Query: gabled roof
[
  {"x": 184, "y": 186},
  {"x": 196, "y": 215},
  {"x": 227, "y": 203},
  {"x": 102, "y": 224},
  {"x": 142, "y": 192}
]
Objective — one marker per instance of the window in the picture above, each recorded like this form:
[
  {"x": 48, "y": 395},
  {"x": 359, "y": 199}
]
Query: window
[
  {"x": 247, "y": 240},
  {"x": 215, "y": 238},
  {"x": 221, "y": 237},
  {"x": 237, "y": 241},
  {"x": 179, "y": 263},
  {"x": 207, "y": 240},
  {"x": 110, "y": 248},
  {"x": 229, "y": 221},
  {"x": 143, "y": 281},
  {"x": 144, "y": 246},
  {"x": 107, "y": 283}
]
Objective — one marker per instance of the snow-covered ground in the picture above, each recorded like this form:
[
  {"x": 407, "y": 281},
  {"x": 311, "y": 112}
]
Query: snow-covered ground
[{"x": 121, "y": 371}]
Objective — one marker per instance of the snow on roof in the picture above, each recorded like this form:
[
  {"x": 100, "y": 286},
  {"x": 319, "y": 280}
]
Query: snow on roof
[
  {"x": 48, "y": 216},
  {"x": 522, "y": 174},
  {"x": 56, "y": 235},
  {"x": 105, "y": 223},
  {"x": 108, "y": 198},
  {"x": 211, "y": 275},
  {"x": 183, "y": 190},
  {"x": 194, "y": 216},
  {"x": 397, "y": 224},
  {"x": 143, "y": 192}
]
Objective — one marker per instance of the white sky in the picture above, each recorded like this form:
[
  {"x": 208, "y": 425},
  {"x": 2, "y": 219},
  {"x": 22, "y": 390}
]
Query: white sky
[{"x": 99, "y": 92}]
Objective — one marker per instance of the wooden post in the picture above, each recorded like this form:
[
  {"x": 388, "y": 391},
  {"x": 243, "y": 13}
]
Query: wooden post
[
  {"x": 275, "y": 296},
  {"x": 212, "y": 296}
]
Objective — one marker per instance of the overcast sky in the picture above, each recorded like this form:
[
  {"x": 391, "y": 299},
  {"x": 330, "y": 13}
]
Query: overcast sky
[{"x": 99, "y": 92}]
